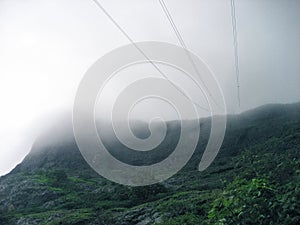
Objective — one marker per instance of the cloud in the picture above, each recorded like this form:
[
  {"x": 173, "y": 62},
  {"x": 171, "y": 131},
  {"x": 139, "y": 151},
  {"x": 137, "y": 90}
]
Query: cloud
[{"x": 46, "y": 47}]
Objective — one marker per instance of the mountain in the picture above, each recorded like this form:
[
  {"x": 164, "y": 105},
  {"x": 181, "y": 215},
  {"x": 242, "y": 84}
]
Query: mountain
[{"x": 253, "y": 180}]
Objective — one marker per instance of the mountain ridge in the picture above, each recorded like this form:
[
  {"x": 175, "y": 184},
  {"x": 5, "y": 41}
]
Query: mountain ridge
[
  {"x": 261, "y": 111},
  {"x": 56, "y": 185}
]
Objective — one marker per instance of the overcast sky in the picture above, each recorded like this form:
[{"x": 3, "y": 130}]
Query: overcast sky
[{"x": 47, "y": 46}]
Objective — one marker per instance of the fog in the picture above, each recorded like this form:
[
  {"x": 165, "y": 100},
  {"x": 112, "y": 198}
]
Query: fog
[{"x": 47, "y": 46}]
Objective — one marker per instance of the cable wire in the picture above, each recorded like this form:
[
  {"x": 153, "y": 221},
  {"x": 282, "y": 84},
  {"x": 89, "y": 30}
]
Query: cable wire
[
  {"x": 142, "y": 52},
  {"x": 183, "y": 45},
  {"x": 235, "y": 45}
]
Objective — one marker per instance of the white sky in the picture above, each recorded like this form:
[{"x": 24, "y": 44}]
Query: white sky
[{"x": 47, "y": 45}]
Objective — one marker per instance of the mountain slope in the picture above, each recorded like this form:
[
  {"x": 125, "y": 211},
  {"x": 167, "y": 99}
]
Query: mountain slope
[{"x": 54, "y": 185}]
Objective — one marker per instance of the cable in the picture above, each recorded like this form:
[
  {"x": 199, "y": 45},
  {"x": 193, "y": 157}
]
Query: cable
[
  {"x": 183, "y": 45},
  {"x": 141, "y": 51},
  {"x": 235, "y": 45}
]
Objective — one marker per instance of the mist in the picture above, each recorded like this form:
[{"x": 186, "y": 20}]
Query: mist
[{"x": 47, "y": 46}]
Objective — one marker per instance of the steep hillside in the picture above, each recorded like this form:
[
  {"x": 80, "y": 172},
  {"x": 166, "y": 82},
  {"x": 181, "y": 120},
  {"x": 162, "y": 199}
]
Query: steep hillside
[{"x": 254, "y": 180}]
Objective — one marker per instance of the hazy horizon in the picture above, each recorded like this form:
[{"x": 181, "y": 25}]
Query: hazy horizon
[
  {"x": 58, "y": 132},
  {"x": 47, "y": 46}
]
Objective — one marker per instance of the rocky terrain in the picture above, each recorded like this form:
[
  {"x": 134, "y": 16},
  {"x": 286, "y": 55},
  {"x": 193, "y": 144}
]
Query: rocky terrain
[{"x": 255, "y": 179}]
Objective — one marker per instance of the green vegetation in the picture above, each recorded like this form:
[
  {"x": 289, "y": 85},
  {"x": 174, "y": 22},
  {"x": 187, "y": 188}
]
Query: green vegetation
[{"x": 254, "y": 180}]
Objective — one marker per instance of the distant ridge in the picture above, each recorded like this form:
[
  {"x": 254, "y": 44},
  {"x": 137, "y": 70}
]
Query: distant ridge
[{"x": 63, "y": 151}]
